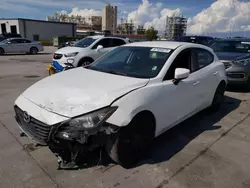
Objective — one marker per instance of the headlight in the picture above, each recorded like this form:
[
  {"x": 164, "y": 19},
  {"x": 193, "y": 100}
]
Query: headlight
[
  {"x": 71, "y": 54},
  {"x": 92, "y": 120},
  {"x": 243, "y": 62}
]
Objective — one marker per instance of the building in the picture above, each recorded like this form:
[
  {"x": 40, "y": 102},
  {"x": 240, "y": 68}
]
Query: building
[
  {"x": 126, "y": 28},
  {"x": 91, "y": 22},
  {"x": 175, "y": 27},
  {"x": 109, "y": 19},
  {"x": 38, "y": 30}
]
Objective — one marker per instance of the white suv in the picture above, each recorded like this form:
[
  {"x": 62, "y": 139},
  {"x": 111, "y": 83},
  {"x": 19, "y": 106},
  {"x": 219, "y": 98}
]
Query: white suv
[{"x": 86, "y": 50}]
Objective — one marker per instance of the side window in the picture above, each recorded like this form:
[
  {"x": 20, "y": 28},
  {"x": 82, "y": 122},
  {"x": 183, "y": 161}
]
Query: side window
[
  {"x": 183, "y": 60},
  {"x": 117, "y": 42},
  {"x": 223, "y": 46},
  {"x": 203, "y": 58},
  {"x": 242, "y": 48},
  {"x": 14, "y": 41},
  {"x": 104, "y": 42}
]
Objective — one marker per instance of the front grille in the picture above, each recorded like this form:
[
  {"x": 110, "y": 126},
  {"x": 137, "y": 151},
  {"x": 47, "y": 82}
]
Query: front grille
[
  {"x": 227, "y": 64},
  {"x": 236, "y": 75},
  {"x": 57, "y": 56},
  {"x": 35, "y": 129}
]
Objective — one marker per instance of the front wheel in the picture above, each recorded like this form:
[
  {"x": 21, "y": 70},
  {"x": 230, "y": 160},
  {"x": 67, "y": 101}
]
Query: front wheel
[
  {"x": 132, "y": 141},
  {"x": 33, "y": 50},
  {"x": 1, "y": 51},
  {"x": 85, "y": 62}
]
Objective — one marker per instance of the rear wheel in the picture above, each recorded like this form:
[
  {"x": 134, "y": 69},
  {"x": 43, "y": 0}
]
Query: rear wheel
[
  {"x": 33, "y": 50},
  {"x": 218, "y": 96},
  {"x": 132, "y": 141},
  {"x": 85, "y": 62},
  {"x": 1, "y": 51}
]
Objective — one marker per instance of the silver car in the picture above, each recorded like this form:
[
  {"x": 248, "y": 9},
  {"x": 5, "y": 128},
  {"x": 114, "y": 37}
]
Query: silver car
[
  {"x": 235, "y": 55},
  {"x": 20, "y": 45}
]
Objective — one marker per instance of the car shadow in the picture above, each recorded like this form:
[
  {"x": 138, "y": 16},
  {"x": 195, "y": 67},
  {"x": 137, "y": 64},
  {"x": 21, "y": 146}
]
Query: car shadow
[
  {"x": 238, "y": 89},
  {"x": 174, "y": 140}
]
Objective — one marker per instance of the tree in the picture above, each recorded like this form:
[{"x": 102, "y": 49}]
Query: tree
[
  {"x": 151, "y": 34},
  {"x": 55, "y": 16}
]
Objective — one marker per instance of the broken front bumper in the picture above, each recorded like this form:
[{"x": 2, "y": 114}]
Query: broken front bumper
[{"x": 66, "y": 142}]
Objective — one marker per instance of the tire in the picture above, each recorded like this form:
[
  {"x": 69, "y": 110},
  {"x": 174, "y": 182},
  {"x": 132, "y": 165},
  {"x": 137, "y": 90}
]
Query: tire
[
  {"x": 218, "y": 97},
  {"x": 1, "y": 51},
  {"x": 33, "y": 50},
  {"x": 85, "y": 62},
  {"x": 132, "y": 141}
]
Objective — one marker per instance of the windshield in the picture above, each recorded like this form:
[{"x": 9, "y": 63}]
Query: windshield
[
  {"x": 231, "y": 46},
  {"x": 83, "y": 43},
  {"x": 4, "y": 40},
  {"x": 139, "y": 62}
]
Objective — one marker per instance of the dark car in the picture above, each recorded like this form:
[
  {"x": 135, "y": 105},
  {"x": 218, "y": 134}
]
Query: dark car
[
  {"x": 204, "y": 40},
  {"x": 9, "y": 35},
  {"x": 236, "y": 57}
]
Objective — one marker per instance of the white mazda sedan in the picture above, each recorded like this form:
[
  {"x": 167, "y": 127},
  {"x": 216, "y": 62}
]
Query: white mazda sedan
[{"x": 122, "y": 101}]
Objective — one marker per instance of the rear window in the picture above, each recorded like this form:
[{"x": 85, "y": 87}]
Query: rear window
[{"x": 231, "y": 46}]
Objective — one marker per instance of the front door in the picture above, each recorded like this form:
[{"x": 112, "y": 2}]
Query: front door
[
  {"x": 106, "y": 43},
  {"x": 177, "y": 101}
]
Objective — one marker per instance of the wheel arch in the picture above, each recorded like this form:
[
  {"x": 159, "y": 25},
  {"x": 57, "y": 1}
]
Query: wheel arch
[
  {"x": 122, "y": 119},
  {"x": 85, "y": 57}
]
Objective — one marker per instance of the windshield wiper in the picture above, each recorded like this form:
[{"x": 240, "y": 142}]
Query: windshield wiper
[{"x": 115, "y": 72}]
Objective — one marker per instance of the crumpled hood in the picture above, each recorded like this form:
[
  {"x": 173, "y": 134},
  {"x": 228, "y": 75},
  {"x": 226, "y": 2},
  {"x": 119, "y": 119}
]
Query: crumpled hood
[
  {"x": 232, "y": 56},
  {"x": 70, "y": 49},
  {"x": 79, "y": 91}
]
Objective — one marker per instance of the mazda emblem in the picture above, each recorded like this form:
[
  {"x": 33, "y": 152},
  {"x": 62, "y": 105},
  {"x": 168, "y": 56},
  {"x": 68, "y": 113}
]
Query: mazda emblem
[{"x": 26, "y": 117}]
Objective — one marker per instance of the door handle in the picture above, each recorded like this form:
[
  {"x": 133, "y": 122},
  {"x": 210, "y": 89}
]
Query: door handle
[
  {"x": 196, "y": 83},
  {"x": 215, "y": 73}
]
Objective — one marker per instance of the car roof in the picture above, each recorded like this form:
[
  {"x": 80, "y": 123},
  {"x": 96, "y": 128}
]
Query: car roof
[
  {"x": 196, "y": 36},
  {"x": 102, "y": 36},
  {"x": 163, "y": 44}
]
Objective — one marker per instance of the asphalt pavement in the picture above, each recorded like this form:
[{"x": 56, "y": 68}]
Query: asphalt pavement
[{"x": 208, "y": 150}]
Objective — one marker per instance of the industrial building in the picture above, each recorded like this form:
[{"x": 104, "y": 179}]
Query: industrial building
[
  {"x": 109, "y": 19},
  {"x": 38, "y": 30},
  {"x": 175, "y": 27}
]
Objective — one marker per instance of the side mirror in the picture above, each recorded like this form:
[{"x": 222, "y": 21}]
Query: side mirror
[
  {"x": 99, "y": 47},
  {"x": 8, "y": 42},
  {"x": 180, "y": 74}
]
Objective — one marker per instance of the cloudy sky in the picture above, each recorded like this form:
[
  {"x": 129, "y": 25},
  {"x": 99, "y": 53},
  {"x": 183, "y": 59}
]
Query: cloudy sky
[{"x": 204, "y": 16}]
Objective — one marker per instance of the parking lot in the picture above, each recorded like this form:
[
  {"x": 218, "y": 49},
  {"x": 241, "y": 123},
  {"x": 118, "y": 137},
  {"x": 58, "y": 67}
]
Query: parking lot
[{"x": 208, "y": 150}]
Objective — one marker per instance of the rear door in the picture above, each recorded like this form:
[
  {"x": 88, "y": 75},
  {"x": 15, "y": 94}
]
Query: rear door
[
  {"x": 204, "y": 70},
  {"x": 115, "y": 42}
]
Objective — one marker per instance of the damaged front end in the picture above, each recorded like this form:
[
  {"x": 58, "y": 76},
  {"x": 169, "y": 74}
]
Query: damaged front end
[{"x": 72, "y": 139}]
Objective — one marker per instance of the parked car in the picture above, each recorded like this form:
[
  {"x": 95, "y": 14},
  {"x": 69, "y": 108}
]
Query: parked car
[
  {"x": 122, "y": 101},
  {"x": 9, "y": 35},
  {"x": 86, "y": 50},
  {"x": 235, "y": 55},
  {"x": 205, "y": 40},
  {"x": 20, "y": 45}
]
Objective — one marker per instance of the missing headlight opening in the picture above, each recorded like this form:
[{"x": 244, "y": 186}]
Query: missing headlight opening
[{"x": 70, "y": 145}]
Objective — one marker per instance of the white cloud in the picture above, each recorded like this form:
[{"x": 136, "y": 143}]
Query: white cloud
[
  {"x": 160, "y": 22},
  {"x": 145, "y": 12},
  {"x": 221, "y": 16},
  {"x": 83, "y": 12}
]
